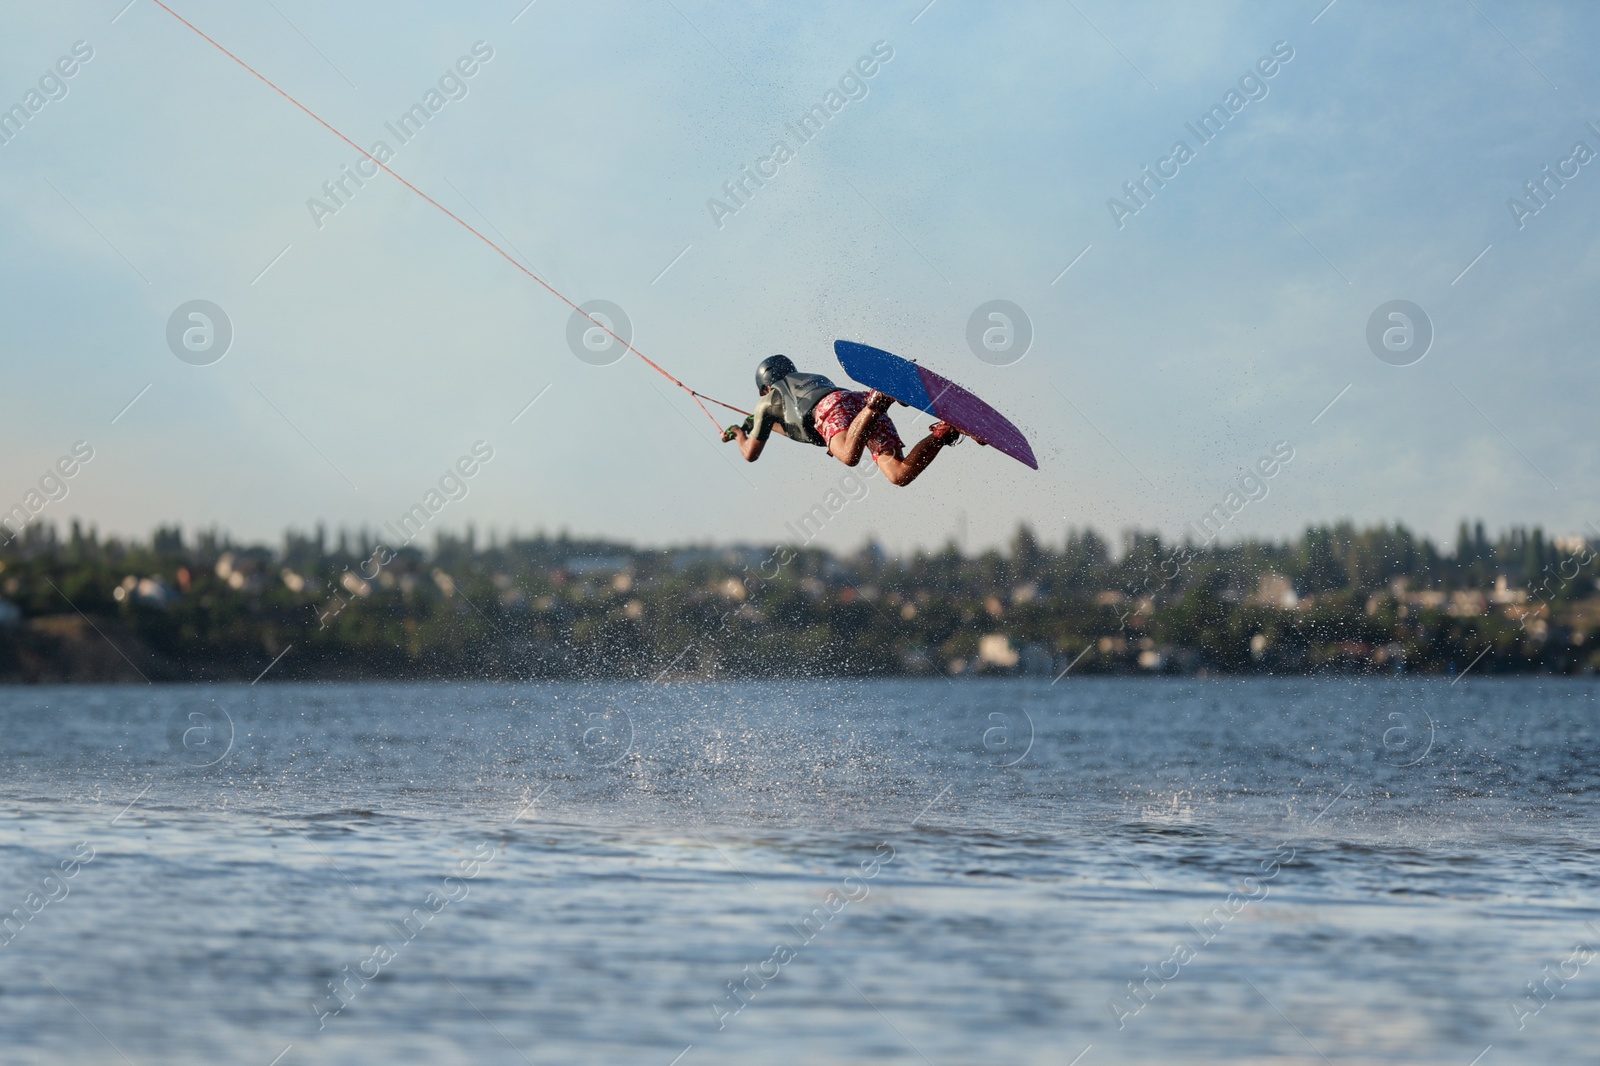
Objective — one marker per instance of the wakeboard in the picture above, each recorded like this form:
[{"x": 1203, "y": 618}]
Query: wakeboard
[{"x": 917, "y": 386}]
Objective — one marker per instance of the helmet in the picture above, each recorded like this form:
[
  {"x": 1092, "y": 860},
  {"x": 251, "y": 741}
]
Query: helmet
[{"x": 773, "y": 369}]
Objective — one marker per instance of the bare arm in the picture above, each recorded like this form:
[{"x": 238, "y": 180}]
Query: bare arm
[{"x": 750, "y": 445}]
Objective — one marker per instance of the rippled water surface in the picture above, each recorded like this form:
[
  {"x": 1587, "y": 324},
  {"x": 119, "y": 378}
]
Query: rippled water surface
[{"x": 813, "y": 872}]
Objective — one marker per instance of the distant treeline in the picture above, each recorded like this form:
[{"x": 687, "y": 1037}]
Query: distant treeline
[{"x": 1381, "y": 599}]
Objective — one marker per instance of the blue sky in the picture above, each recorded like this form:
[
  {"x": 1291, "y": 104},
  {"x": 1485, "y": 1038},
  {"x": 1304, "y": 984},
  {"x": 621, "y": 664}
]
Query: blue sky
[{"x": 1218, "y": 320}]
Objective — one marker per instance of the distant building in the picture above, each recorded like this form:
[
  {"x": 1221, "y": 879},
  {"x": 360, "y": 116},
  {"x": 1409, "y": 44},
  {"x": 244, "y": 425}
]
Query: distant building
[
  {"x": 151, "y": 590},
  {"x": 1504, "y": 594},
  {"x": 1275, "y": 590},
  {"x": 1571, "y": 545},
  {"x": 994, "y": 649}
]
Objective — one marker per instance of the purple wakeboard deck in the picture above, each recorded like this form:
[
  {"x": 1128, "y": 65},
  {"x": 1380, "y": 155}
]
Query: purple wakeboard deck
[{"x": 917, "y": 386}]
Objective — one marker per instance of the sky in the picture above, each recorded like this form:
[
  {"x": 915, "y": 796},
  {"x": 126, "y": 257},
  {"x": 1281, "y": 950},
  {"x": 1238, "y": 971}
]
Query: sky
[{"x": 1178, "y": 337}]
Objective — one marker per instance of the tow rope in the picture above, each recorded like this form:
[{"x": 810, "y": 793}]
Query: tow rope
[{"x": 698, "y": 396}]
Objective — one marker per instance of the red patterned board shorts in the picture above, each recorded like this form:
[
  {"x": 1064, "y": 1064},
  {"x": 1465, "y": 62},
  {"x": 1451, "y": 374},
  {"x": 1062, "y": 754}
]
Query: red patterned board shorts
[{"x": 834, "y": 413}]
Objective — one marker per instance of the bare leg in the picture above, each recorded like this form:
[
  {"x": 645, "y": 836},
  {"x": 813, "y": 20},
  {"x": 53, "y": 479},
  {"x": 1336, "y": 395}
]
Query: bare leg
[
  {"x": 905, "y": 471},
  {"x": 848, "y": 446}
]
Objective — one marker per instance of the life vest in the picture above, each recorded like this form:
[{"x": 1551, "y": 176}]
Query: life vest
[{"x": 800, "y": 394}]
